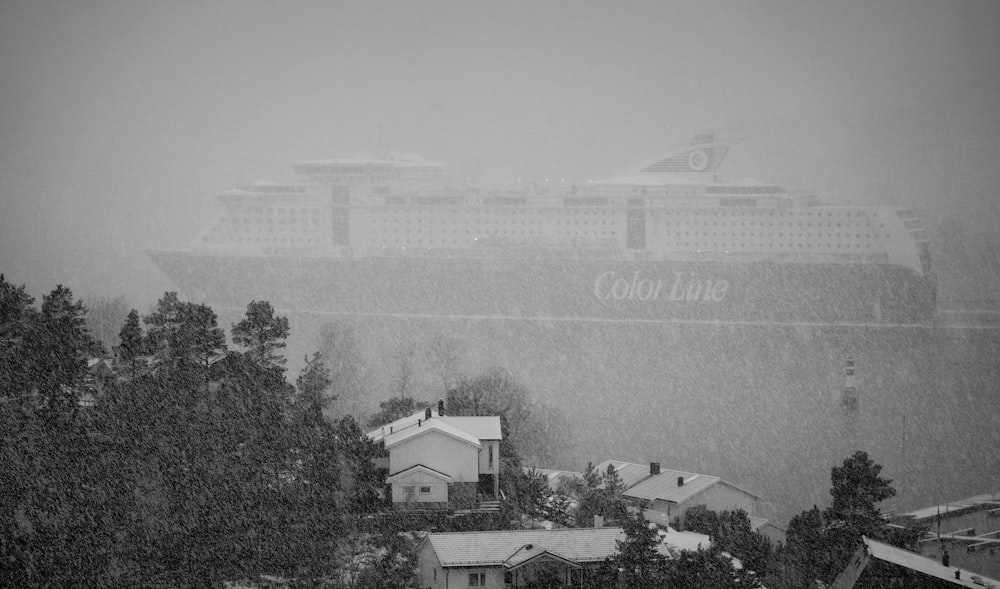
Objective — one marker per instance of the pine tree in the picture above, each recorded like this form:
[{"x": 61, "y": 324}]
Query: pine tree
[
  {"x": 162, "y": 325},
  {"x": 200, "y": 336},
  {"x": 18, "y": 326},
  {"x": 182, "y": 333},
  {"x": 639, "y": 558},
  {"x": 857, "y": 487},
  {"x": 601, "y": 495},
  {"x": 262, "y": 333},
  {"x": 313, "y": 387},
  {"x": 62, "y": 351},
  {"x": 358, "y": 455},
  {"x": 132, "y": 345},
  {"x": 707, "y": 569}
]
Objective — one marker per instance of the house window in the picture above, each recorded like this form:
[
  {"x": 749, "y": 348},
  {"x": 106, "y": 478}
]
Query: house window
[
  {"x": 425, "y": 490},
  {"x": 491, "y": 456},
  {"x": 408, "y": 489},
  {"x": 477, "y": 579},
  {"x": 576, "y": 578}
]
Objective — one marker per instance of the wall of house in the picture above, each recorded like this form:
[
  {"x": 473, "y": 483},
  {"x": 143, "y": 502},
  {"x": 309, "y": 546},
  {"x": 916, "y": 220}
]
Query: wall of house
[
  {"x": 458, "y": 577},
  {"x": 407, "y": 492},
  {"x": 429, "y": 572},
  {"x": 485, "y": 466},
  {"x": 718, "y": 498},
  {"x": 457, "y": 459},
  {"x": 432, "y": 575}
]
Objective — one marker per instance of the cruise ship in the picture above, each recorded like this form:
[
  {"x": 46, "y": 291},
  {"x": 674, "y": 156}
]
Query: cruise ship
[{"x": 668, "y": 240}]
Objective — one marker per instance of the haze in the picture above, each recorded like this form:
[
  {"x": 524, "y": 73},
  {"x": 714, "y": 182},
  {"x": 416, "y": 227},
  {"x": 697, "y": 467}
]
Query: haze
[{"x": 119, "y": 122}]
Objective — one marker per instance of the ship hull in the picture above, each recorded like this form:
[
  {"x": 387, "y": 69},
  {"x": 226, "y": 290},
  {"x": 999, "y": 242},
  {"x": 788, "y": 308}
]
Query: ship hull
[{"x": 595, "y": 290}]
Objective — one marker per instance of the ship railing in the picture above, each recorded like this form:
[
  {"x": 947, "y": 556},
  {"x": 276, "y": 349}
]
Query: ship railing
[{"x": 498, "y": 253}]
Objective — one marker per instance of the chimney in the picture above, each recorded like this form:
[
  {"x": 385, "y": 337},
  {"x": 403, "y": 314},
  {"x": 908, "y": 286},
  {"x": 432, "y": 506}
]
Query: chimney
[
  {"x": 427, "y": 413},
  {"x": 598, "y": 521},
  {"x": 654, "y": 468},
  {"x": 440, "y": 407},
  {"x": 680, "y": 481}
]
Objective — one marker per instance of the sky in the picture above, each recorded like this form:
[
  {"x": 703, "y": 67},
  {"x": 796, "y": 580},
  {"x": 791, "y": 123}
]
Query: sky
[{"x": 121, "y": 121}]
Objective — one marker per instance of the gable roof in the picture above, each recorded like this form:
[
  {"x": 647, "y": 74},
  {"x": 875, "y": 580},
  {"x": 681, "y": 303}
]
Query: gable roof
[
  {"x": 513, "y": 548},
  {"x": 640, "y": 484},
  {"x": 664, "y": 486},
  {"x": 629, "y": 473},
  {"x": 958, "y": 507},
  {"x": 494, "y": 548},
  {"x": 418, "y": 468},
  {"x": 429, "y": 426},
  {"x": 530, "y": 553},
  {"x": 927, "y": 566},
  {"x": 483, "y": 427}
]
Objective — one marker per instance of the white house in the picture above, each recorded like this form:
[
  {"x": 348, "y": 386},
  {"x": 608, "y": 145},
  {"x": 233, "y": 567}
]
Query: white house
[
  {"x": 666, "y": 494},
  {"x": 442, "y": 461},
  {"x": 509, "y": 559}
]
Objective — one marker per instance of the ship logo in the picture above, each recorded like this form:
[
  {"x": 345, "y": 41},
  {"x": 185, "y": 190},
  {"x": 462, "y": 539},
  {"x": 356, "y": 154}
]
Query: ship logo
[
  {"x": 698, "y": 160},
  {"x": 682, "y": 286}
]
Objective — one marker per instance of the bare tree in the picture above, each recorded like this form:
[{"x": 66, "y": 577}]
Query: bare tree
[
  {"x": 446, "y": 353},
  {"x": 105, "y": 316},
  {"x": 405, "y": 379},
  {"x": 341, "y": 352}
]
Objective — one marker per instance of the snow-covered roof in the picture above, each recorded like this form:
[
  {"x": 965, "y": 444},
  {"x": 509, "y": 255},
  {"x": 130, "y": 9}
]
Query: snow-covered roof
[
  {"x": 510, "y": 547},
  {"x": 482, "y": 427},
  {"x": 418, "y": 468},
  {"x": 927, "y": 566},
  {"x": 629, "y": 473},
  {"x": 683, "y": 540},
  {"x": 951, "y": 507},
  {"x": 431, "y": 426},
  {"x": 530, "y": 553},
  {"x": 664, "y": 486},
  {"x": 640, "y": 484}
]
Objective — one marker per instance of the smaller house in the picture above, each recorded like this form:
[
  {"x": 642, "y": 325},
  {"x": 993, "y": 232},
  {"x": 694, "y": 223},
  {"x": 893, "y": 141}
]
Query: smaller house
[
  {"x": 438, "y": 461},
  {"x": 665, "y": 495},
  {"x": 961, "y": 533},
  {"x": 927, "y": 569},
  {"x": 510, "y": 559}
]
